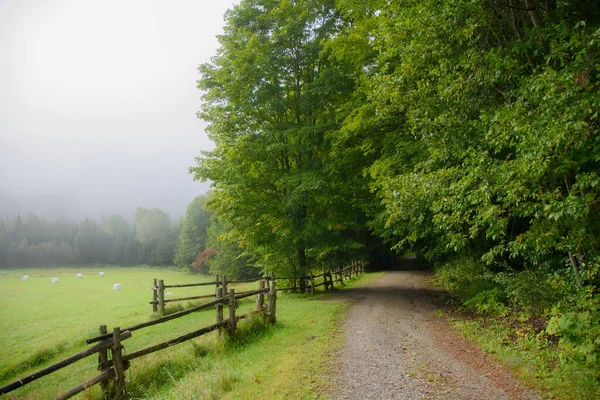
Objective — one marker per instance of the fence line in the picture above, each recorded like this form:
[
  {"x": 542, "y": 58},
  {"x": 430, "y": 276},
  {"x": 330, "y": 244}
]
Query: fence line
[
  {"x": 106, "y": 344},
  {"x": 306, "y": 284},
  {"x": 112, "y": 377}
]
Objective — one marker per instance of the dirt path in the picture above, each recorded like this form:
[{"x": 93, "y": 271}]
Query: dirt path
[{"x": 398, "y": 348}]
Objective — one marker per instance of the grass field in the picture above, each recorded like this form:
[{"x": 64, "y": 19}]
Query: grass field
[{"x": 41, "y": 323}]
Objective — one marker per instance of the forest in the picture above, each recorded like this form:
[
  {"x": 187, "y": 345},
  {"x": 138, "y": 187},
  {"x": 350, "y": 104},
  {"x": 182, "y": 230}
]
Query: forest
[
  {"x": 465, "y": 130},
  {"x": 34, "y": 241}
]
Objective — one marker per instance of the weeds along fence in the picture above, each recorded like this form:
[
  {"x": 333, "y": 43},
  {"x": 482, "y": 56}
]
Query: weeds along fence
[{"x": 113, "y": 362}]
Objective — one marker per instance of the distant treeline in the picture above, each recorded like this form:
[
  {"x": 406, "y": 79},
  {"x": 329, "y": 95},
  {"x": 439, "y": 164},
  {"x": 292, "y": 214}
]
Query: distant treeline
[
  {"x": 35, "y": 241},
  {"x": 197, "y": 242}
]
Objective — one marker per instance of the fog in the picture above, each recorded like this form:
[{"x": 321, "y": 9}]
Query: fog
[{"x": 98, "y": 104}]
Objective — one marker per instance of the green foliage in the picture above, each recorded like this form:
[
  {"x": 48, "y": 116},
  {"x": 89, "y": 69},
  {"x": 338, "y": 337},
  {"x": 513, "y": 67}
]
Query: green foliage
[
  {"x": 157, "y": 234},
  {"x": 192, "y": 240},
  {"x": 467, "y": 130},
  {"x": 489, "y": 301},
  {"x": 229, "y": 259},
  {"x": 579, "y": 330},
  {"x": 272, "y": 96}
]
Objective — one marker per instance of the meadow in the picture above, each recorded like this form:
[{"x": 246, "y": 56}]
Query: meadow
[{"x": 42, "y": 322}]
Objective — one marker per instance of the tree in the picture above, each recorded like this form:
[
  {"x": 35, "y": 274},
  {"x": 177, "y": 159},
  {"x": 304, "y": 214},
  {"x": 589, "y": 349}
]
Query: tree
[
  {"x": 117, "y": 228},
  {"x": 271, "y": 99},
  {"x": 92, "y": 243},
  {"x": 192, "y": 240},
  {"x": 157, "y": 235},
  {"x": 224, "y": 255},
  {"x": 4, "y": 243}
]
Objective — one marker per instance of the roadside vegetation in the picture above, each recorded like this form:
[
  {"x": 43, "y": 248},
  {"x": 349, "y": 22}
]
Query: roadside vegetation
[{"x": 517, "y": 323}]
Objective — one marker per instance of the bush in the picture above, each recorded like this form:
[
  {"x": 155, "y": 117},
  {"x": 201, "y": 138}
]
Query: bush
[
  {"x": 473, "y": 283},
  {"x": 491, "y": 301},
  {"x": 579, "y": 330}
]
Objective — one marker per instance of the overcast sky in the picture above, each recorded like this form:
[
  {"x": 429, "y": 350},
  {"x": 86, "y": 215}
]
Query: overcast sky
[{"x": 98, "y": 102}]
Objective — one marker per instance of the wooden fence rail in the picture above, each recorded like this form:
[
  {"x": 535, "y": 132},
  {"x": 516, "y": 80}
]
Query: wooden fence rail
[
  {"x": 105, "y": 344},
  {"x": 112, "y": 369},
  {"x": 112, "y": 378},
  {"x": 306, "y": 283}
]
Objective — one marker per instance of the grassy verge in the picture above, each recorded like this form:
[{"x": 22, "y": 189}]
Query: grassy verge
[
  {"x": 528, "y": 352},
  {"x": 291, "y": 360}
]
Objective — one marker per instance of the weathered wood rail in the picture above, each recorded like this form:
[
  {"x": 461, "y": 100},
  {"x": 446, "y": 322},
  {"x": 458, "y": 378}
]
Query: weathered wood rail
[
  {"x": 113, "y": 362},
  {"x": 158, "y": 290},
  {"x": 308, "y": 283},
  {"x": 305, "y": 283}
]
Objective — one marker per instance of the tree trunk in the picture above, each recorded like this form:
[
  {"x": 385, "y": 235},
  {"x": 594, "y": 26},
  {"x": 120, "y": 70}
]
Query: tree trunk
[
  {"x": 301, "y": 255},
  {"x": 575, "y": 265}
]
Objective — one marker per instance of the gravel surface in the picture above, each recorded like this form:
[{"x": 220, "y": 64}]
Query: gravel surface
[{"x": 398, "y": 348}]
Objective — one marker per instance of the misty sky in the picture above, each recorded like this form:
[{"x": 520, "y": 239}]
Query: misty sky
[{"x": 98, "y": 102}]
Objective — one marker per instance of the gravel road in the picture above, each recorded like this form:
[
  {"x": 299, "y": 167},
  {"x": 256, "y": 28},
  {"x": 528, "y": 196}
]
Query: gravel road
[{"x": 397, "y": 347}]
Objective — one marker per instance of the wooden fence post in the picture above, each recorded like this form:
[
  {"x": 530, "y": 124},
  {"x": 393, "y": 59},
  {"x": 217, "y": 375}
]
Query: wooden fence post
[
  {"x": 303, "y": 284},
  {"x": 161, "y": 296},
  {"x": 219, "y": 308},
  {"x": 272, "y": 305},
  {"x": 217, "y": 284},
  {"x": 260, "y": 298},
  {"x": 332, "y": 280},
  {"x": 312, "y": 284},
  {"x": 119, "y": 391},
  {"x": 224, "y": 284},
  {"x": 102, "y": 360},
  {"x": 232, "y": 320},
  {"x": 154, "y": 296}
]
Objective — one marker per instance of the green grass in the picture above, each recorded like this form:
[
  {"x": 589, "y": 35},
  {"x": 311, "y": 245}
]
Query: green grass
[
  {"x": 42, "y": 323},
  {"x": 532, "y": 358}
]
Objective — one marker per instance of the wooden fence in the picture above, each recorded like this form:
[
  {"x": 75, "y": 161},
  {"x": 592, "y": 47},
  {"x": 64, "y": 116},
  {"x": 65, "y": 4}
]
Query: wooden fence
[
  {"x": 305, "y": 283},
  {"x": 113, "y": 362},
  {"x": 328, "y": 279}
]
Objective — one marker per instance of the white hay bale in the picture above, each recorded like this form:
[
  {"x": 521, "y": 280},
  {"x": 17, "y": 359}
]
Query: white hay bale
[
  {"x": 79, "y": 276},
  {"x": 168, "y": 293},
  {"x": 101, "y": 273},
  {"x": 54, "y": 280},
  {"x": 25, "y": 277},
  {"x": 117, "y": 286}
]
